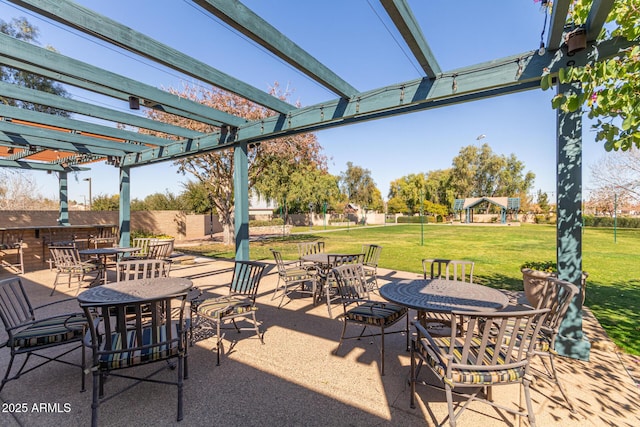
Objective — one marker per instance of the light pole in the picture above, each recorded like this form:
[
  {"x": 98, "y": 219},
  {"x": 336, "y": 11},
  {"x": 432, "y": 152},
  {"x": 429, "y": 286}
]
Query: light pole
[{"x": 90, "y": 198}]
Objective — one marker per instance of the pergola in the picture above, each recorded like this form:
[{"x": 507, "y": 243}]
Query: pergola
[{"x": 38, "y": 141}]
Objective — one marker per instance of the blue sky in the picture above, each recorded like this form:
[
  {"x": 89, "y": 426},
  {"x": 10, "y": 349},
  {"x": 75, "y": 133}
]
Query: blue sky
[{"x": 354, "y": 39}]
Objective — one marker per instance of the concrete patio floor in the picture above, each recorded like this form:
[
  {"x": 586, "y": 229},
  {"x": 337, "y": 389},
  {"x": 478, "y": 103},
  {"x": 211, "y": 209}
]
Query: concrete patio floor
[{"x": 296, "y": 379}]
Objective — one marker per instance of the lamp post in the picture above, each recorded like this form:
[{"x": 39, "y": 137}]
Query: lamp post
[
  {"x": 324, "y": 214},
  {"x": 615, "y": 217},
  {"x": 310, "y": 216},
  {"x": 90, "y": 198},
  {"x": 421, "y": 220}
]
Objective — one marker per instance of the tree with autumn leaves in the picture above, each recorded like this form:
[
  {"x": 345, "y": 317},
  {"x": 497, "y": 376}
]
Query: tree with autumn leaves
[{"x": 278, "y": 168}]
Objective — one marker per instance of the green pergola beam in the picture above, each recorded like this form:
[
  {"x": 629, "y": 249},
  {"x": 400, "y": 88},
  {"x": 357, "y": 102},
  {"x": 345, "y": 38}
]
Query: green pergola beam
[
  {"x": 99, "y": 26},
  {"x": 405, "y": 22},
  {"x": 598, "y": 13},
  {"x": 559, "y": 12},
  {"x": 43, "y": 98},
  {"x": 245, "y": 21},
  {"x": 507, "y": 75},
  {"x": 24, "y": 135},
  {"x": 39, "y": 166},
  {"x": 79, "y": 125},
  {"x": 83, "y": 72}
]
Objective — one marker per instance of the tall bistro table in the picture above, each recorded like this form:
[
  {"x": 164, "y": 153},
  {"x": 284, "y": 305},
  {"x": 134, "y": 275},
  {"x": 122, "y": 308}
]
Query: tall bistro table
[
  {"x": 443, "y": 296},
  {"x": 135, "y": 290},
  {"x": 103, "y": 254}
]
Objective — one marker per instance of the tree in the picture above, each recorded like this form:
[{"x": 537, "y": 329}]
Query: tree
[
  {"x": 610, "y": 88},
  {"x": 104, "y": 202},
  {"x": 21, "y": 29},
  {"x": 19, "y": 190},
  {"x": 616, "y": 176},
  {"x": 295, "y": 183},
  {"x": 478, "y": 172},
  {"x": 432, "y": 187},
  {"x": 215, "y": 169},
  {"x": 357, "y": 183},
  {"x": 543, "y": 202},
  {"x": 397, "y": 205},
  {"x": 196, "y": 198}
]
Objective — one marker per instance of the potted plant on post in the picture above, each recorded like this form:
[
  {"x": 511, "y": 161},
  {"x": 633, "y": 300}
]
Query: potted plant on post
[{"x": 535, "y": 274}]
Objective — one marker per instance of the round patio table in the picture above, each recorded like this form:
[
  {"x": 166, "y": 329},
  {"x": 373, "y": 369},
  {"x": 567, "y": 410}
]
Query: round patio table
[
  {"x": 443, "y": 296},
  {"x": 135, "y": 290}
]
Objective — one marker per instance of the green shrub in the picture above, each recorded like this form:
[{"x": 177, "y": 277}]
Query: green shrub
[
  {"x": 412, "y": 219},
  {"x": 607, "y": 221}
]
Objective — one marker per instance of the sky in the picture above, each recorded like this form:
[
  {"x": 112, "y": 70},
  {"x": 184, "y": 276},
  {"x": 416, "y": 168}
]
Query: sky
[{"x": 356, "y": 40}]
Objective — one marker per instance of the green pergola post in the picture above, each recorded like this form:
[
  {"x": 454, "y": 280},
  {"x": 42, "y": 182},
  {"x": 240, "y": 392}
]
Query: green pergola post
[
  {"x": 63, "y": 213},
  {"x": 241, "y": 201},
  {"x": 571, "y": 341},
  {"x": 125, "y": 206}
]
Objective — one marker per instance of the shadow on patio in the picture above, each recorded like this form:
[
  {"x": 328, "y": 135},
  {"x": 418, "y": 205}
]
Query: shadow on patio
[{"x": 295, "y": 379}]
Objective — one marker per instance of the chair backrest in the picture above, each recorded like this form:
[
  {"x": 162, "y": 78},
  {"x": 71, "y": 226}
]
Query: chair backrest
[
  {"x": 352, "y": 283},
  {"x": 486, "y": 332},
  {"x": 277, "y": 255},
  {"x": 160, "y": 250},
  {"x": 450, "y": 269},
  {"x": 142, "y": 269},
  {"x": 371, "y": 255},
  {"x": 310, "y": 248},
  {"x": 65, "y": 256},
  {"x": 15, "y": 307},
  {"x": 246, "y": 278},
  {"x": 336, "y": 260},
  {"x": 143, "y": 243},
  {"x": 136, "y": 332},
  {"x": 556, "y": 296}
]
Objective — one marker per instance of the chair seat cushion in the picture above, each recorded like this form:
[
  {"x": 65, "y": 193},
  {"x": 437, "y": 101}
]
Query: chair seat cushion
[
  {"x": 217, "y": 308},
  {"x": 134, "y": 353},
  {"x": 375, "y": 313},
  {"x": 469, "y": 376},
  {"x": 296, "y": 274},
  {"x": 52, "y": 330}
]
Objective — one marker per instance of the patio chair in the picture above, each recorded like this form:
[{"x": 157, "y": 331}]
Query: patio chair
[
  {"x": 370, "y": 265},
  {"x": 11, "y": 244},
  {"x": 360, "y": 311},
  {"x": 105, "y": 236},
  {"x": 160, "y": 249},
  {"x": 448, "y": 269},
  {"x": 68, "y": 263},
  {"x": 292, "y": 278},
  {"x": 34, "y": 336},
  {"x": 480, "y": 356},
  {"x": 309, "y": 248},
  {"x": 126, "y": 335},
  {"x": 143, "y": 243},
  {"x": 556, "y": 296},
  {"x": 239, "y": 304},
  {"x": 142, "y": 269},
  {"x": 329, "y": 287}
]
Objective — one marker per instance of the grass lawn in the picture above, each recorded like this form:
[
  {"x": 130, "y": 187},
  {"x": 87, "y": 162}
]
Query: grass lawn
[{"x": 613, "y": 286}]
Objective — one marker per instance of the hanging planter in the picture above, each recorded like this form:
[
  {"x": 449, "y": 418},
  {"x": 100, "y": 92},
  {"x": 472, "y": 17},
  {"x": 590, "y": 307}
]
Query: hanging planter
[{"x": 576, "y": 40}]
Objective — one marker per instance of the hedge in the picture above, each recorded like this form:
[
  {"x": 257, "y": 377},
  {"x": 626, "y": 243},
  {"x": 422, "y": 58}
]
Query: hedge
[
  {"x": 414, "y": 219},
  {"x": 607, "y": 221}
]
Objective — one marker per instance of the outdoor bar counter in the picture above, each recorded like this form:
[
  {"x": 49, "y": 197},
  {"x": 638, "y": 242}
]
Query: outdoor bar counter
[{"x": 36, "y": 238}]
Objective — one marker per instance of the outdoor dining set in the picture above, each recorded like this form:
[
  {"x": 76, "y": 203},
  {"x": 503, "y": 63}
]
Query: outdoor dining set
[{"x": 466, "y": 334}]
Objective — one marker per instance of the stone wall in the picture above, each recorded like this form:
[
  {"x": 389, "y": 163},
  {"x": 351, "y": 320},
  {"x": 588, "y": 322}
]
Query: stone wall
[{"x": 172, "y": 223}]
